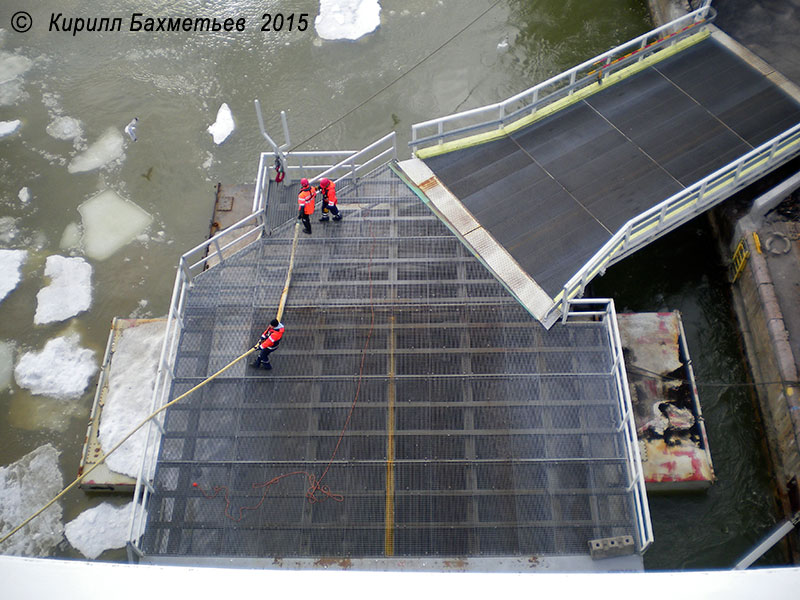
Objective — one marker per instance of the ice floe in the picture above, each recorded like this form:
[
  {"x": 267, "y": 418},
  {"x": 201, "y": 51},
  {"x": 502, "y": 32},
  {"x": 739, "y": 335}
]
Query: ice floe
[
  {"x": 25, "y": 486},
  {"x": 223, "y": 126},
  {"x": 130, "y": 390},
  {"x": 109, "y": 147},
  {"x": 8, "y": 229},
  {"x": 347, "y": 19},
  {"x": 101, "y": 528},
  {"x": 24, "y": 195},
  {"x": 6, "y": 364},
  {"x": 71, "y": 238},
  {"x": 61, "y": 370},
  {"x": 64, "y": 128},
  {"x": 11, "y": 262},
  {"x": 11, "y": 92},
  {"x": 69, "y": 292},
  {"x": 9, "y": 127},
  {"x": 12, "y": 66},
  {"x": 109, "y": 223}
]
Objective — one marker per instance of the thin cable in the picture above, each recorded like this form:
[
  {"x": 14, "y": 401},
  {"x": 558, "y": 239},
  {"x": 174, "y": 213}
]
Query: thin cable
[
  {"x": 399, "y": 77},
  {"x": 654, "y": 375},
  {"x": 312, "y": 496},
  {"x": 315, "y": 485}
]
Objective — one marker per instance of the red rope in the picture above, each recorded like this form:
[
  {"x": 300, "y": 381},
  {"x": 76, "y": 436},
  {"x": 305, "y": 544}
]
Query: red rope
[{"x": 314, "y": 484}]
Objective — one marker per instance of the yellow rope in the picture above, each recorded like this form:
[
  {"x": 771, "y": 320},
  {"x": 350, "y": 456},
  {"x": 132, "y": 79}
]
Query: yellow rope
[{"x": 102, "y": 459}]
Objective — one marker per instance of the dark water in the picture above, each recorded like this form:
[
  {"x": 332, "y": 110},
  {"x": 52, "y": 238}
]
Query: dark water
[{"x": 684, "y": 271}]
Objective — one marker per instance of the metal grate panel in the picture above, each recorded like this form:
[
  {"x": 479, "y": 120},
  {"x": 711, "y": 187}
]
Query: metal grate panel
[{"x": 414, "y": 409}]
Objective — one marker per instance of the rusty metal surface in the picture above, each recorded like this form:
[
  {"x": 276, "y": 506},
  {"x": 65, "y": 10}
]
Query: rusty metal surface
[{"x": 668, "y": 418}]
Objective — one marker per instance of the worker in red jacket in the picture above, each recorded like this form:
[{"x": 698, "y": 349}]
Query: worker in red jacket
[
  {"x": 305, "y": 203},
  {"x": 268, "y": 343},
  {"x": 327, "y": 190}
]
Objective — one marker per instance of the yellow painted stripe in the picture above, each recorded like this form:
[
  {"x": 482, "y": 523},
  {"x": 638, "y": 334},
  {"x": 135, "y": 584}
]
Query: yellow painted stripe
[
  {"x": 548, "y": 110},
  {"x": 389, "y": 539}
]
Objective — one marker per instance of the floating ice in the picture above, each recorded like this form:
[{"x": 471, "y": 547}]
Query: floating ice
[
  {"x": 11, "y": 262},
  {"x": 9, "y": 127},
  {"x": 107, "y": 148},
  {"x": 26, "y": 486},
  {"x": 62, "y": 369},
  {"x": 223, "y": 126},
  {"x": 71, "y": 238},
  {"x": 8, "y": 229},
  {"x": 130, "y": 390},
  {"x": 109, "y": 223},
  {"x": 11, "y": 92},
  {"x": 69, "y": 292},
  {"x": 24, "y": 195},
  {"x": 64, "y": 128},
  {"x": 12, "y": 66},
  {"x": 347, "y": 19},
  {"x": 6, "y": 364},
  {"x": 101, "y": 528}
]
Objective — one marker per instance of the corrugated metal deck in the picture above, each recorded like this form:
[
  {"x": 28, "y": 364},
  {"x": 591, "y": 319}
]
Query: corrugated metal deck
[
  {"x": 415, "y": 409},
  {"x": 554, "y": 192}
]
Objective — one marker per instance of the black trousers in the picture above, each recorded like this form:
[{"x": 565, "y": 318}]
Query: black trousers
[
  {"x": 306, "y": 221},
  {"x": 329, "y": 207},
  {"x": 263, "y": 357}
]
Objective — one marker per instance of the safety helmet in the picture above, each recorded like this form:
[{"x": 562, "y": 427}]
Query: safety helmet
[
  {"x": 324, "y": 182},
  {"x": 304, "y": 182}
]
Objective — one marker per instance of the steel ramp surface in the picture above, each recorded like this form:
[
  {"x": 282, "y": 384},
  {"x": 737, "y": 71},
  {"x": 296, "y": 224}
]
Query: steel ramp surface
[
  {"x": 415, "y": 409},
  {"x": 553, "y": 193}
]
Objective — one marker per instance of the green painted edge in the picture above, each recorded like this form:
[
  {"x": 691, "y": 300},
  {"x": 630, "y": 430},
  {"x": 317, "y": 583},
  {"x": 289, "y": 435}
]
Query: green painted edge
[{"x": 558, "y": 105}]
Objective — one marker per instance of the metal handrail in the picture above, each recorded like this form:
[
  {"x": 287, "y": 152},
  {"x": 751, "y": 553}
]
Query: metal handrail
[
  {"x": 588, "y": 73},
  {"x": 191, "y": 264},
  {"x": 636, "y": 484},
  {"x": 339, "y": 165},
  {"x": 677, "y": 209}
]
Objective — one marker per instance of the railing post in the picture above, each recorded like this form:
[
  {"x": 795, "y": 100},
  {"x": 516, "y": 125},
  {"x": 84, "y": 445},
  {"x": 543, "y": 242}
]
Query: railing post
[
  {"x": 219, "y": 251},
  {"x": 187, "y": 276},
  {"x": 441, "y": 132},
  {"x": 564, "y": 305}
]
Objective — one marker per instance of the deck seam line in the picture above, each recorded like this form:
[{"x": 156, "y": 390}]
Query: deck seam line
[
  {"x": 712, "y": 115},
  {"x": 637, "y": 146},
  {"x": 561, "y": 185}
]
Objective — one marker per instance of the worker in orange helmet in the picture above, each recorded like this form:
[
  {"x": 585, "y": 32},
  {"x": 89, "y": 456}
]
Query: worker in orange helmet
[
  {"x": 327, "y": 189},
  {"x": 268, "y": 344},
  {"x": 305, "y": 202}
]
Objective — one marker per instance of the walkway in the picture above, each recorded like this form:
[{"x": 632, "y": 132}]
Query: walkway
[
  {"x": 555, "y": 192},
  {"x": 438, "y": 417}
]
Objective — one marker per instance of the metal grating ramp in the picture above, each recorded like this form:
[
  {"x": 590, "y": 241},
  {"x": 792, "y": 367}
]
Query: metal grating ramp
[{"x": 415, "y": 409}]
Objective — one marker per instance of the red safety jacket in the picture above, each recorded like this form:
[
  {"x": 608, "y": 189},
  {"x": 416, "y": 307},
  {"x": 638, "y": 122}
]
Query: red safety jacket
[
  {"x": 305, "y": 200},
  {"x": 328, "y": 193},
  {"x": 272, "y": 336}
]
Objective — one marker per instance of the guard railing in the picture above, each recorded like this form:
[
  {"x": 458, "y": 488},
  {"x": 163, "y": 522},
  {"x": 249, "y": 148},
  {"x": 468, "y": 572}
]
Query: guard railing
[
  {"x": 603, "y": 310},
  {"x": 529, "y": 102},
  {"x": 348, "y": 166},
  {"x": 678, "y": 209}
]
